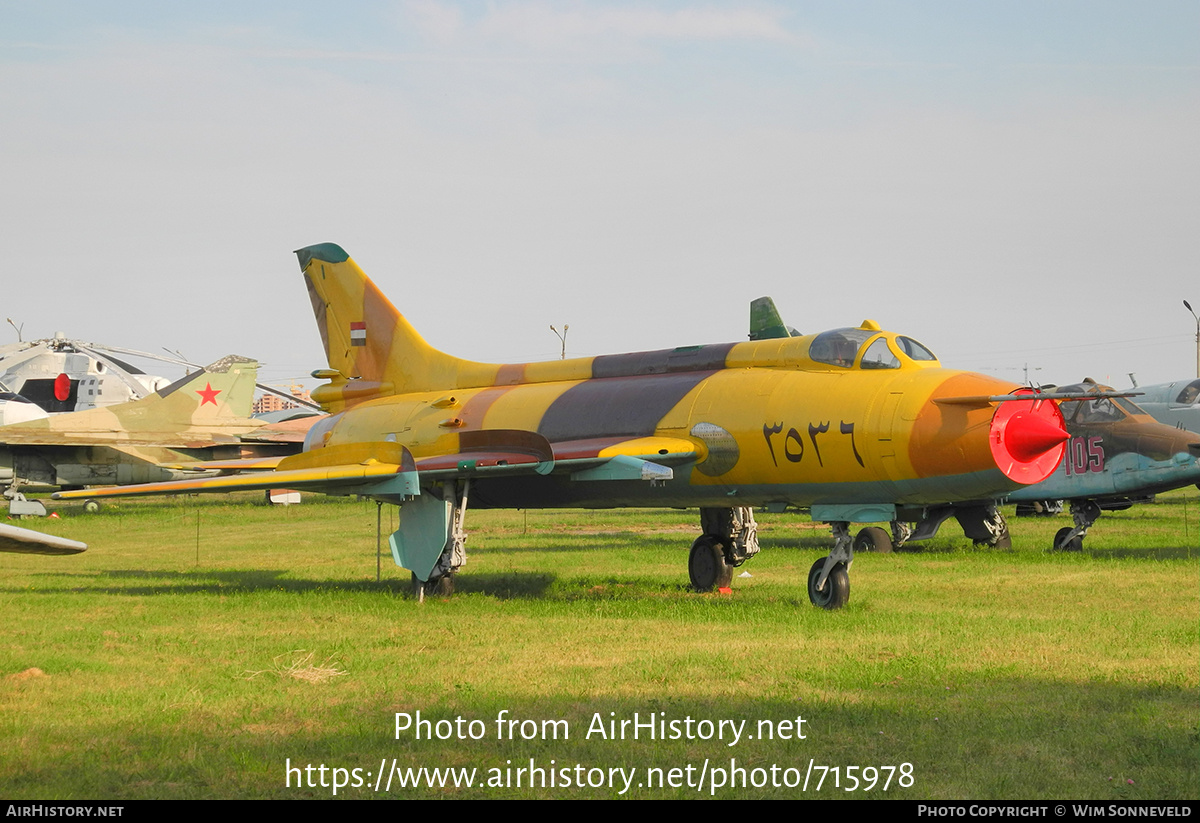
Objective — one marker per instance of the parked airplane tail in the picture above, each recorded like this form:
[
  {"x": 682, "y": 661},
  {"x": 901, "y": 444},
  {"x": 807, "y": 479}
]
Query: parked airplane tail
[
  {"x": 372, "y": 350},
  {"x": 204, "y": 406},
  {"x": 765, "y": 321},
  {"x": 221, "y": 391}
]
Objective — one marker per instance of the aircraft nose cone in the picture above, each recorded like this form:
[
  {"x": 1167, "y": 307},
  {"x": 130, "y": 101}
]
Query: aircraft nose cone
[{"x": 1027, "y": 438}]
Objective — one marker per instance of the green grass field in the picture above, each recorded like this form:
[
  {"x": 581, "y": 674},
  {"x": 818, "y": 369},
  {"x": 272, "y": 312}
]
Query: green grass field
[{"x": 201, "y": 646}]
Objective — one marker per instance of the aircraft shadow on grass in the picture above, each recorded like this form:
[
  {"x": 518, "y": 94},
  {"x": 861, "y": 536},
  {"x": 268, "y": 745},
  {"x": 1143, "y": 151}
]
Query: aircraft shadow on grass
[{"x": 506, "y": 585}]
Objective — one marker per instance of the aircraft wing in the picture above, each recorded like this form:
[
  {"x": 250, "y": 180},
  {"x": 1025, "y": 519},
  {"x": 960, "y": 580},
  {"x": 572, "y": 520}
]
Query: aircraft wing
[
  {"x": 166, "y": 439},
  {"x": 240, "y": 464},
  {"x": 389, "y": 468},
  {"x": 337, "y": 468},
  {"x": 26, "y": 541}
]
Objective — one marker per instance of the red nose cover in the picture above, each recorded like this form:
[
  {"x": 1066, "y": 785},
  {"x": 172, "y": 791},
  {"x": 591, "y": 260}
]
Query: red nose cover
[
  {"x": 62, "y": 387},
  {"x": 1028, "y": 438}
]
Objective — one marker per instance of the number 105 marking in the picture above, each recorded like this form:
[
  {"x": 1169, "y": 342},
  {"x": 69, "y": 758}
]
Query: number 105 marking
[{"x": 1084, "y": 454}]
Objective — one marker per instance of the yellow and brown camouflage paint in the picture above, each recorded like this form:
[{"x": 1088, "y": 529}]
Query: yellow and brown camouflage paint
[
  {"x": 796, "y": 422},
  {"x": 741, "y": 424}
]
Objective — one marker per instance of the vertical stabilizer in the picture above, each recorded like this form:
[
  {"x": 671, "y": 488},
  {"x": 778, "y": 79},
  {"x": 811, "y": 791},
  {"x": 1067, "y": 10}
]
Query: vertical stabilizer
[
  {"x": 214, "y": 402},
  {"x": 222, "y": 391},
  {"x": 373, "y": 349},
  {"x": 766, "y": 323}
]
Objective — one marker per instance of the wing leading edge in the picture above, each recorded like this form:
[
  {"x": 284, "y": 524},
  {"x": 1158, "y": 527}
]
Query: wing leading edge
[{"x": 387, "y": 469}]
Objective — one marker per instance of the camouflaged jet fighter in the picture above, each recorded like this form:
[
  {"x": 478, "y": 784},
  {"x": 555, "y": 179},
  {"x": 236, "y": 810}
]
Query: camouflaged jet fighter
[
  {"x": 204, "y": 415},
  {"x": 854, "y": 423},
  {"x": 1117, "y": 455}
]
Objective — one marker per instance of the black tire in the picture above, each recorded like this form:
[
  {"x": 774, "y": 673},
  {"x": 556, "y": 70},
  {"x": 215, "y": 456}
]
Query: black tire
[
  {"x": 91, "y": 506},
  {"x": 873, "y": 539},
  {"x": 707, "y": 568},
  {"x": 436, "y": 587},
  {"x": 837, "y": 586},
  {"x": 1004, "y": 541},
  {"x": 1073, "y": 545}
]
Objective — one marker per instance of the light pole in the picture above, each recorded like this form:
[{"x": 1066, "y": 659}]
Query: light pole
[
  {"x": 1189, "y": 308},
  {"x": 563, "y": 337}
]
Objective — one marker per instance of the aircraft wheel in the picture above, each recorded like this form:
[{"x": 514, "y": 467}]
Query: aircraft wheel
[
  {"x": 873, "y": 539},
  {"x": 1073, "y": 545},
  {"x": 91, "y": 506},
  {"x": 706, "y": 565},
  {"x": 1004, "y": 541},
  {"x": 837, "y": 586},
  {"x": 437, "y": 587}
]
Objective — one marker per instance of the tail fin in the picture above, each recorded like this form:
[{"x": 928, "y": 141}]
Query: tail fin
[
  {"x": 765, "y": 321},
  {"x": 209, "y": 404},
  {"x": 227, "y": 392},
  {"x": 372, "y": 349}
]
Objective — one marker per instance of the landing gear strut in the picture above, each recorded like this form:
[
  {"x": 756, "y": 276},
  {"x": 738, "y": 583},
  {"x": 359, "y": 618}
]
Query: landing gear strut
[
  {"x": 829, "y": 577},
  {"x": 985, "y": 525},
  {"x": 730, "y": 539},
  {"x": 1085, "y": 513},
  {"x": 454, "y": 555}
]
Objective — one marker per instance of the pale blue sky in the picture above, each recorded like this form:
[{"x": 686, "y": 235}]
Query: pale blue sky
[{"x": 1008, "y": 182}]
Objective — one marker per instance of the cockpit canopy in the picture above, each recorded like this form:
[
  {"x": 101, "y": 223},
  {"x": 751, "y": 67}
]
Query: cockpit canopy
[
  {"x": 1100, "y": 410},
  {"x": 880, "y": 350},
  {"x": 1189, "y": 395}
]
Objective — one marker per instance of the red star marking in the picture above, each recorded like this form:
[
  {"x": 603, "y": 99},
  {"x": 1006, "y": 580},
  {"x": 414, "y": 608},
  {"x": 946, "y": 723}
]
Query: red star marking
[{"x": 208, "y": 393}]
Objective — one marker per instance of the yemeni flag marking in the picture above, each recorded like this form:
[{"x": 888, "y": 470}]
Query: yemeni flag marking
[{"x": 358, "y": 334}]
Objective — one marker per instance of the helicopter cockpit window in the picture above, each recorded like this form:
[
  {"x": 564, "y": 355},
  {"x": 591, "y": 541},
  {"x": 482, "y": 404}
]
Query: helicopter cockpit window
[
  {"x": 1189, "y": 395},
  {"x": 914, "y": 349},
  {"x": 838, "y": 347},
  {"x": 879, "y": 356}
]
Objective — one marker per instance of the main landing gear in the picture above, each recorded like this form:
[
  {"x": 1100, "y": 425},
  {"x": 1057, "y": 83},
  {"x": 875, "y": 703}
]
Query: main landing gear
[
  {"x": 1085, "y": 513},
  {"x": 985, "y": 525},
  {"x": 730, "y": 538},
  {"x": 875, "y": 539},
  {"x": 454, "y": 555},
  {"x": 829, "y": 577}
]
